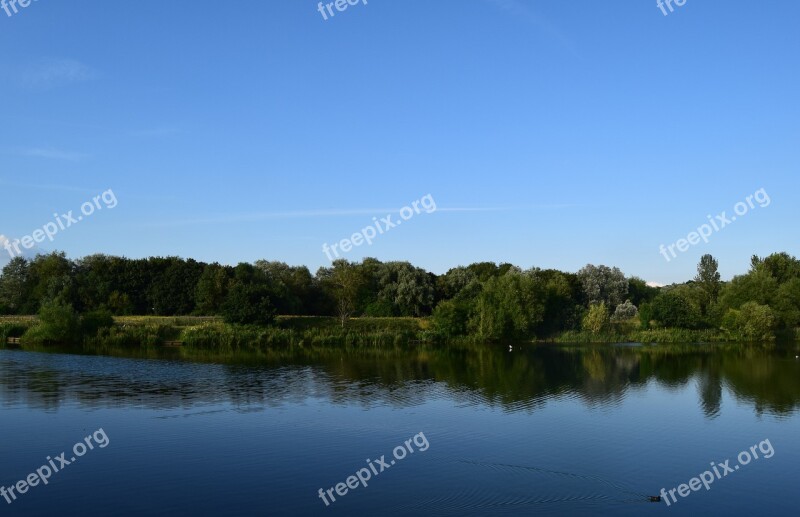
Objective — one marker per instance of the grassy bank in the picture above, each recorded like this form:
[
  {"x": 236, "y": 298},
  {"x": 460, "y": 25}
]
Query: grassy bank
[
  {"x": 646, "y": 336},
  {"x": 213, "y": 335}
]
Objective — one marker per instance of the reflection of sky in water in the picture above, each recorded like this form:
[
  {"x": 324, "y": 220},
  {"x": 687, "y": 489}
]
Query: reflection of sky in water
[{"x": 247, "y": 439}]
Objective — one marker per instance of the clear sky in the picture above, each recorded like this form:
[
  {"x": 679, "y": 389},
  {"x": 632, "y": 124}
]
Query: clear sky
[{"x": 549, "y": 133}]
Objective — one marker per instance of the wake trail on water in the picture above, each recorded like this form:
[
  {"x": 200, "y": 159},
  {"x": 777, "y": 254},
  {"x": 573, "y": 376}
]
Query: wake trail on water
[
  {"x": 503, "y": 498},
  {"x": 587, "y": 477}
]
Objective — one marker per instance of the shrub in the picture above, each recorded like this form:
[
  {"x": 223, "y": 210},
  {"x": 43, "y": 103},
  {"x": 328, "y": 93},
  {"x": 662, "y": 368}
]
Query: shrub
[
  {"x": 645, "y": 315},
  {"x": 450, "y": 318},
  {"x": 596, "y": 320},
  {"x": 625, "y": 311},
  {"x": 751, "y": 321},
  {"x": 93, "y": 321},
  {"x": 58, "y": 323}
]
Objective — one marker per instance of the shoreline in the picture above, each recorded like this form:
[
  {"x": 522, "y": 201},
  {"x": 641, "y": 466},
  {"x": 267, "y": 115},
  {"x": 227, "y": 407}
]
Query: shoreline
[{"x": 213, "y": 334}]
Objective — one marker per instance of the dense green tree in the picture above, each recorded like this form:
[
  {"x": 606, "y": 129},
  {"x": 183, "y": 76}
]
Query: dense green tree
[
  {"x": 291, "y": 287},
  {"x": 639, "y": 292},
  {"x": 786, "y": 304},
  {"x": 483, "y": 271},
  {"x": 408, "y": 289},
  {"x": 248, "y": 303},
  {"x": 708, "y": 280},
  {"x": 174, "y": 286},
  {"x": 781, "y": 266},
  {"x": 16, "y": 287},
  {"x": 508, "y": 307},
  {"x": 562, "y": 307},
  {"x": 212, "y": 289},
  {"x": 52, "y": 278},
  {"x": 98, "y": 277},
  {"x": 456, "y": 279},
  {"x": 120, "y": 303},
  {"x": 758, "y": 286},
  {"x": 603, "y": 284},
  {"x": 675, "y": 309}
]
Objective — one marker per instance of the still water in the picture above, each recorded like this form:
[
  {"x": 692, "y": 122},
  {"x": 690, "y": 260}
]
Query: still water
[{"x": 546, "y": 430}]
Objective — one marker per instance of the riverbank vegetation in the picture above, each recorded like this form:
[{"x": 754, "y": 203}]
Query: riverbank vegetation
[{"x": 371, "y": 303}]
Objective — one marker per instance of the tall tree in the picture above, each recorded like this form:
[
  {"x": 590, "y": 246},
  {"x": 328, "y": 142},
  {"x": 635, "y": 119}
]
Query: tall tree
[
  {"x": 409, "y": 290},
  {"x": 344, "y": 281},
  {"x": 708, "y": 280},
  {"x": 16, "y": 287},
  {"x": 509, "y": 306},
  {"x": 212, "y": 288},
  {"x": 603, "y": 284}
]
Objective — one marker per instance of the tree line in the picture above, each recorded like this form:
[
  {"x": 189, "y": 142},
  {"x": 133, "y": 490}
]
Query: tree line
[{"x": 488, "y": 300}]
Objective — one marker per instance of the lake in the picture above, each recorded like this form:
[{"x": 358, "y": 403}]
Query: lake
[{"x": 472, "y": 430}]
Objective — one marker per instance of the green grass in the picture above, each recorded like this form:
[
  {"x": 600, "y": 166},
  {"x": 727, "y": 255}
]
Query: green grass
[
  {"x": 175, "y": 321},
  {"x": 18, "y": 319},
  {"x": 212, "y": 335},
  {"x": 646, "y": 336}
]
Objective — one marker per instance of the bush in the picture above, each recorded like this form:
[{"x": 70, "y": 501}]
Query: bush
[
  {"x": 596, "y": 320},
  {"x": 93, "y": 321},
  {"x": 645, "y": 315},
  {"x": 625, "y": 311},
  {"x": 58, "y": 323},
  {"x": 450, "y": 318},
  {"x": 751, "y": 321}
]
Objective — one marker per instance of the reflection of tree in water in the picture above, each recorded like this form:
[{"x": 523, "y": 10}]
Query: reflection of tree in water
[
  {"x": 519, "y": 380},
  {"x": 709, "y": 387}
]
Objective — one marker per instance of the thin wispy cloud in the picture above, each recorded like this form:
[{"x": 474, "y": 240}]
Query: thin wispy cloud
[
  {"x": 52, "y": 154},
  {"x": 156, "y": 132},
  {"x": 306, "y": 214},
  {"x": 50, "y": 73},
  {"x": 45, "y": 186},
  {"x": 524, "y": 11}
]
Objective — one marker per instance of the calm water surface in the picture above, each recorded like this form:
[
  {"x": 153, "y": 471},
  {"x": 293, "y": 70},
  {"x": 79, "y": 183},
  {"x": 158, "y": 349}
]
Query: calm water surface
[{"x": 535, "y": 430}]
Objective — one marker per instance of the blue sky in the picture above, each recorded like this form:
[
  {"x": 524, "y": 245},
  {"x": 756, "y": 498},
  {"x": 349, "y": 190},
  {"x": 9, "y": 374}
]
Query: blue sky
[{"x": 549, "y": 133}]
